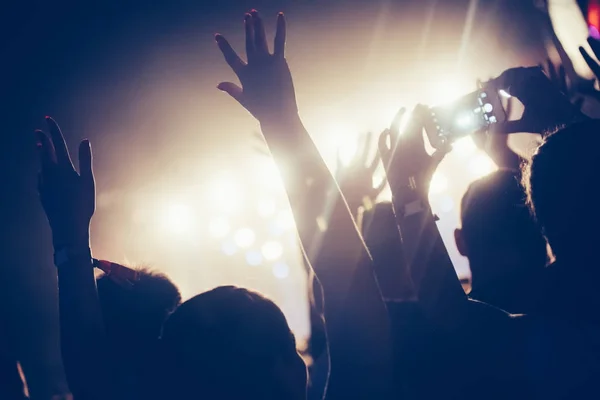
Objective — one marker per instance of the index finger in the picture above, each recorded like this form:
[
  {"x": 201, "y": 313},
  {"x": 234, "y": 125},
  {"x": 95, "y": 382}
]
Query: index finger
[{"x": 280, "y": 35}]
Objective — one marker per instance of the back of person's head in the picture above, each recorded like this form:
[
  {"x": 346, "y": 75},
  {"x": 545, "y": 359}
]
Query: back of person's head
[
  {"x": 232, "y": 343},
  {"x": 498, "y": 234},
  {"x": 560, "y": 182},
  {"x": 137, "y": 310}
]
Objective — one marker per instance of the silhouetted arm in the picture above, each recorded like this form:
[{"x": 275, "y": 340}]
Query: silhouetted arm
[
  {"x": 342, "y": 263},
  {"x": 409, "y": 169},
  {"x": 68, "y": 199}
]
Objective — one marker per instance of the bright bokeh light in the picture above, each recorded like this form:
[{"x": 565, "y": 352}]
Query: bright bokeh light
[
  {"x": 219, "y": 227},
  {"x": 225, "y": 195},
  {"x": 504, "y": 93},
  {"x": 464, "y": 146},
  {"x": 281, "y": 270},
  {"x": 244, "y": 238},
  {"x": 272, "y": 250},
  {"x": 178, "y": 218},
  {"x": 447, "y": 91},
  {"x": 266, "y": 208},
  {"x": 285, "y": 220},
  {"x": 254, "y": 258},
  {"x": 446, "y": 204},
  {"x": 229, "y": 248},
  {"x": 481, "y": 165},
  {"x": 439, "y": 183}
]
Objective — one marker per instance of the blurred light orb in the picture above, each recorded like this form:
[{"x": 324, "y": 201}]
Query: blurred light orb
[
  {"x": 254, "y": 258},
  {"x": 272, "y": 250},
  {"x": 244, "y": 238},
  {"x": 219, "y": 227},
  {"x": 178, "y": 218},
  {"x": 285, "y": 220},
  {"x": 266, "y": 208},
  {"x": 225, "y": 195},
  {"x": 482, "y": 165},
  {"x": 281, "y": 270},
  {"x": 446, "y": 204},
  {"x": 229, "y": 248},
  {"x": 439, "y": 183}
]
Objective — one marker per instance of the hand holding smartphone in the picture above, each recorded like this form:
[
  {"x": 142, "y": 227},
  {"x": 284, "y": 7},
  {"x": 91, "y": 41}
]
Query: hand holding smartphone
[{"x": 471, "y": 113}]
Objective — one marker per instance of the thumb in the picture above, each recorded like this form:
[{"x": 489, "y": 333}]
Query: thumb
[{"x": 232, "y": 89}]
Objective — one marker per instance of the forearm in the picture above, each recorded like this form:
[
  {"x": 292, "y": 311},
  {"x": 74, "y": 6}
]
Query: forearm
[
  {"x": 83, "y": 341},
  {"x": 435, "y": 281},
  {"x": 328, "y": 234},
  {"x": 352, "y": 299}
]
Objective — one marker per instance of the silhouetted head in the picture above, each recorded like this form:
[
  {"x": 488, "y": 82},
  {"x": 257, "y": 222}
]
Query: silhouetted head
[
  {"x": 232, "y": 343},
  {"x": 561, "y": 186},
  {"x": 137, "y": 311},
  {"x": 498, "y": 234}
]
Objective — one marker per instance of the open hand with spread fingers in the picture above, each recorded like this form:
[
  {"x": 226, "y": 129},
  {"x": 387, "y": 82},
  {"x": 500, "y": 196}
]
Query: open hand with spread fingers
[
  {"x": 408, "y": 167},
  {"x": 68, "y": 197},
  {"x": 267, "y": 90}
]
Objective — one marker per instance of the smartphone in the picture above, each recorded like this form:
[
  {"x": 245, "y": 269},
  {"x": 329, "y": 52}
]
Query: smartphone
[{"x": 469, "y": 114}]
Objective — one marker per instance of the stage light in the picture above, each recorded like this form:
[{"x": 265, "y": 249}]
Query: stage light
[
  {"x": 481, "y": 165},
  {"x": 254, "y": 258},
  {"x": 281, "y": 270},
  {"x": 244, "y": 237},
  {"x": 272, "y": 250},
  {"x": 439, "y": 183},
  {"x": 446, "y": 204},
  {"x": 228, "y": 247},
  {"x": 225, "y": 195},
  {"x": 285, "y": 220},
  {"x": 266, "y": 208},
  {"x": 178, "y": 218},
  {"x": 219, "y": 227},
  {"x": 464, "y": 146}
]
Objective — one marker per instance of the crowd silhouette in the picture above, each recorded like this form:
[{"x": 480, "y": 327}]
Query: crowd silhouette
[{"x": 390, "y": 318}]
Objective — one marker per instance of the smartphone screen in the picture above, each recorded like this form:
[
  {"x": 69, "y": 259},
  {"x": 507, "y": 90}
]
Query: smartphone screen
[{"x": 471, "y": 113}]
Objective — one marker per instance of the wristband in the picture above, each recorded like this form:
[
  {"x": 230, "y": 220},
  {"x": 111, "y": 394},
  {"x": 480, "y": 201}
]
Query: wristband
[
  {"x": 68, "y": 254},
  {"x": 412, "y": 208}
]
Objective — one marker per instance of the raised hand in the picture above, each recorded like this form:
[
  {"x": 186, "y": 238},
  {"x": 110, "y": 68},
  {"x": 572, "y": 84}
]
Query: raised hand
[
  {"x": 267, "y": 90},
  {"x": 356, "y": 178},
  {"x": 586, "y": 87},
  {"x": 545, "y": 106},
  {"x": 68, "y": 197},
  {"x": 408, "y": 167}
]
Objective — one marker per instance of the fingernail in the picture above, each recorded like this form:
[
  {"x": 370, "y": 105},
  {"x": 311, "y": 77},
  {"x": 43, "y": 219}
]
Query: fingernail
[
  {"x": 218, "y": 36},
  {"x": 220, "y": 87},
  {"x": 48, "y": 117},
  {"x": 254, "y": 12},
  {"x": 280, "y": 14},
  {"x": 247, "y": 17}
]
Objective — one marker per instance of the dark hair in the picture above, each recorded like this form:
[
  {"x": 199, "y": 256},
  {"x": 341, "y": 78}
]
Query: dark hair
[
  {"x": 495, "y": 217},
  {"x": 559, "y": 183},
  {"x": 228, "y": 343},
  {"x": 140, "y": 309}
]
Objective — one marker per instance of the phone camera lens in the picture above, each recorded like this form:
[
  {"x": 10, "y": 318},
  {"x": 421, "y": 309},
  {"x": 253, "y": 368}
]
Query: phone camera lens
[{"x": 487, "y": 107}]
